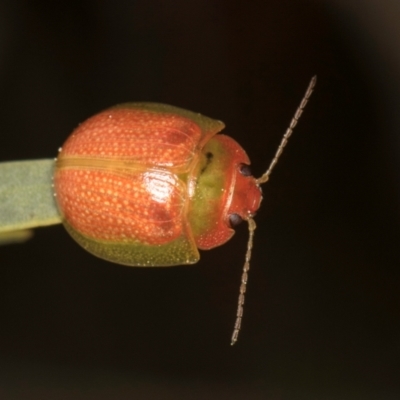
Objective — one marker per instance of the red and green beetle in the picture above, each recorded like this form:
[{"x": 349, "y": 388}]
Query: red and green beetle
[{"x": 147, "y": 184}]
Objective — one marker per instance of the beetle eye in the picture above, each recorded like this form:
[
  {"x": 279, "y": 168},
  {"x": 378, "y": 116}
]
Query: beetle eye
[
  {"x": 235, "y": 220},
  {"x": 245, "y": 169}
]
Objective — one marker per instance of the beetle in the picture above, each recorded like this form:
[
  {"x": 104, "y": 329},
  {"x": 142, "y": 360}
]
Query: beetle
[{"x": 148, "y": 184}]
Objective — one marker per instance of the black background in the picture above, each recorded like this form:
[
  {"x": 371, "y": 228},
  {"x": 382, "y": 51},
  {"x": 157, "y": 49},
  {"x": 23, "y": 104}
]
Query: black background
[{"x": 323, "y": 307}]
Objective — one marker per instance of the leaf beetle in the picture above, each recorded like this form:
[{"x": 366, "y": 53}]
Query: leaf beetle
[{"x": 147, "y": 184}]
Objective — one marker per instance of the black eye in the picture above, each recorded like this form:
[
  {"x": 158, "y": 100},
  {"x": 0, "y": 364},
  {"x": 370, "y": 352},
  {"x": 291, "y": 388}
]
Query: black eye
[
  {"x": 235, "y": 220},
  {"x": 245, "y": 170}
]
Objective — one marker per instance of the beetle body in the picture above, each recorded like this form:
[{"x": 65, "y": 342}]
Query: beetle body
[{"x": 146, "y": 184}]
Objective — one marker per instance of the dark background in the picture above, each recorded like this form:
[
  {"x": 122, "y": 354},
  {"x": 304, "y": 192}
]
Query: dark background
[{"x": 323, "y": 307}]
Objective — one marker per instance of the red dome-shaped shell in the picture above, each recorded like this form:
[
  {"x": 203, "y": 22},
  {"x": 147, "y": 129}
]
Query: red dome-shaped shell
[{"x": 122, "y": 181}]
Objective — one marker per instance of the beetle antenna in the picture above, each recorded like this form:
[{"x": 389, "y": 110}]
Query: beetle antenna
[
  {"x": 252, "y": 225},
  {"x": 242, "y": 291},
  {"x": 264, "y": 178}
]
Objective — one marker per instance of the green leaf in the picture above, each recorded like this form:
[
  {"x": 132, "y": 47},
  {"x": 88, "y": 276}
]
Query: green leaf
[
  {"x": 26, "y": 197},
  {"x": 15, "y": 236}
]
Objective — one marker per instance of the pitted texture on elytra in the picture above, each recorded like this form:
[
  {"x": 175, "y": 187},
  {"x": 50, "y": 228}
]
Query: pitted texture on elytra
[
  {"x": 121, "y": 207},
  {"x": 124, "y": 180},
  {"x": 140, "y": 136}
]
